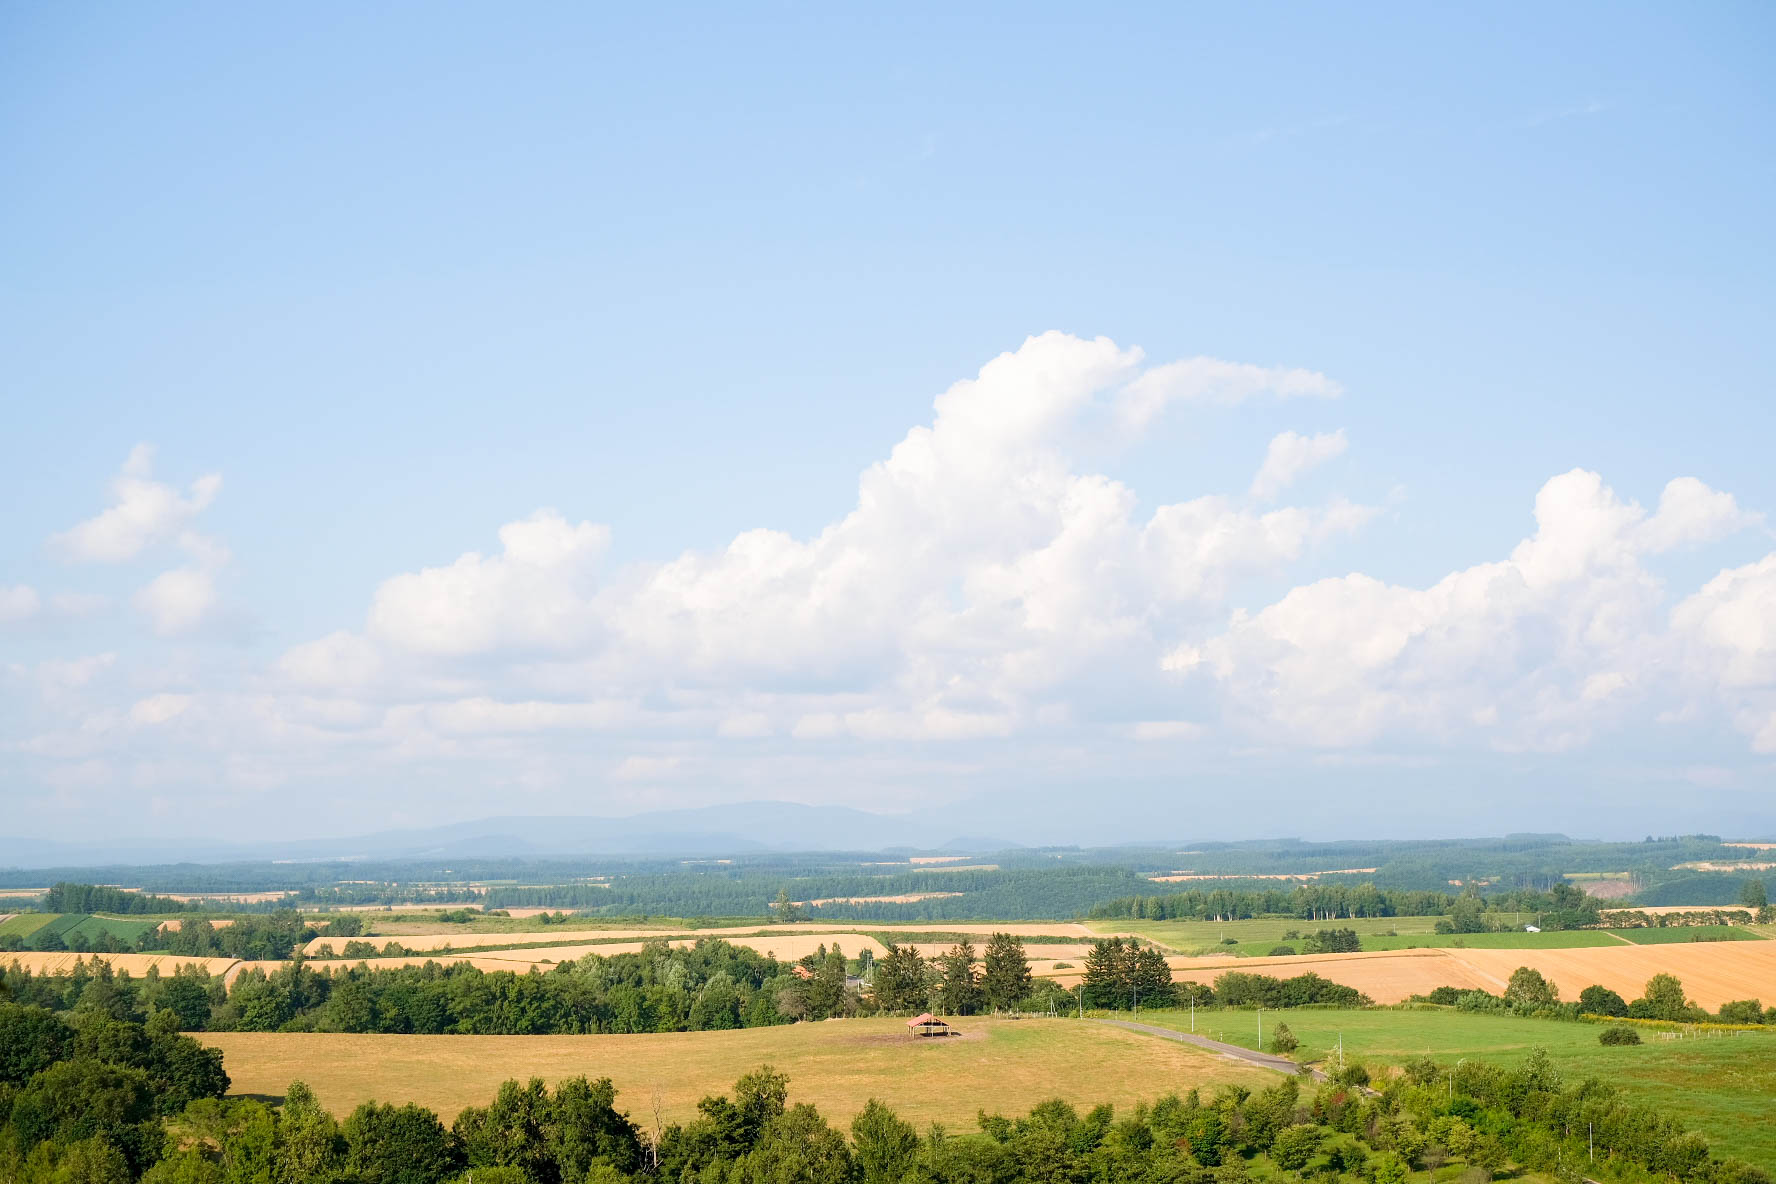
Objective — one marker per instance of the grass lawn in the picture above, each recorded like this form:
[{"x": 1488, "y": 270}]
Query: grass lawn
[
  {"x": 998, "y": 1064},
  {"x": 1720, "y": 1085}
]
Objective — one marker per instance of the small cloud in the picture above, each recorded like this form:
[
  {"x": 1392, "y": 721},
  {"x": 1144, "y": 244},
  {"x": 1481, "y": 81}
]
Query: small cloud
[
  {"x": 144, "y": 512},
  {"x": 177, "y": 601},
  {"x": 1291, "y": 455},
  {"x": 158, "y": 709}
]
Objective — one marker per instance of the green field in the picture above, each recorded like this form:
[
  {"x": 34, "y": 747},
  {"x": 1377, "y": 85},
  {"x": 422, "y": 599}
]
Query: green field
[
  {"x": 1720, "y": 1085},
  {"x": 25, "y": 924},
  {"x": 123, "y": 930},
  {"x": 1256, "y": 937},
  {"x": 73, "y": 927},
  {"x": 1674, "y": 934}
]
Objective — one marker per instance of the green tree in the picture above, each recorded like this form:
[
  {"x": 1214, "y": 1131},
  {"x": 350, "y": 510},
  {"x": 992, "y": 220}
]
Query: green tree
[
  {"x": 587, "y": 1129},
  {"x": 1150, "y": 979},
  {"x": 1528, "y": 990},
  {"x": 783, "y": 908},
  {"x": 1598, "y": 1000},
  {"x": 512, "y": 1132},
  {"x": 72, "y": 1101},
  {"x": 796, "y": 1147},
  {"x": 884, "y": 1146},
  {"x": 31, "y": 1038},
  {"x": 397, "y": 1145},
  {"x": 1295, "y": 1146},
  {"x": 1754, "y": 895},
  {"x": 900, "y": 979},
  {"x": 93, "y": 1161},
  {"x": 1664, "y": 998},
  {"x": 960, "y": 991},
  {"x": 1006, "y": 975},
  {"x": 310, "y": 1148},
  {"x": 1109, "y": 978},
  {"x": 759, "y": 1097}
]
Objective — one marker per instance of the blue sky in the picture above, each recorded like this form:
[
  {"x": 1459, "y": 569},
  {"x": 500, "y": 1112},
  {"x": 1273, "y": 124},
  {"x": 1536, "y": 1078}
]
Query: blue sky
[{"x": 403, "y": 277}]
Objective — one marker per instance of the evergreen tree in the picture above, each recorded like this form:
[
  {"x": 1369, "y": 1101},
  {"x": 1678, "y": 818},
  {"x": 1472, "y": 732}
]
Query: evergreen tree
[
  {"x": 900, "y": 979},
  {"x": 1006, "y": 978},
  {"x": 960, "y": 991}
]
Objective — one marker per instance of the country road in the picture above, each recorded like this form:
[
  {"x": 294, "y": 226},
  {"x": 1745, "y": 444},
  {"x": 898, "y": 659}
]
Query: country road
[{"x": 1263, "y": 1060}]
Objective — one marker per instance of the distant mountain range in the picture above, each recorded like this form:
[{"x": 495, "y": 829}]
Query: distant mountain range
[{"x": 710, "y": 831}]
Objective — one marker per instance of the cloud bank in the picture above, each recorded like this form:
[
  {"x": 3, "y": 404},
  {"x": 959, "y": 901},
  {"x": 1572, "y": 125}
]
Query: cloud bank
[{"x": 981, "y": 606}]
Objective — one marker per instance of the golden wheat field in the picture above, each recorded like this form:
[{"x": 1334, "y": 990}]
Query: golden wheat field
[
  {"x": 996, "y": 1064},
  {"x": 1712, "y": 973},
  {"x": 134, "y": 964}
]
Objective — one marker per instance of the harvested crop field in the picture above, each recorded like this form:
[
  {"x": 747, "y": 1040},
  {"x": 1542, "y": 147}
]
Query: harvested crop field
[
  {"x": 1712, "y": 973},
  {"x": 135, "y": 964},
  {"x": 997, "y": 1064}
]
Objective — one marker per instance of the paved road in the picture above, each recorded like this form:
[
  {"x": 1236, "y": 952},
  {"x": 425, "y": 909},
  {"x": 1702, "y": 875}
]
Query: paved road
[{"x": 1263, "y": 1060}]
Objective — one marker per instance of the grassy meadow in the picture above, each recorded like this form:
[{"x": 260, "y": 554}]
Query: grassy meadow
[
  {"x": 1001, "y": 1065},
  {"x": 1720, "y": 1085},
  {"x": 1257, "y": 936}
]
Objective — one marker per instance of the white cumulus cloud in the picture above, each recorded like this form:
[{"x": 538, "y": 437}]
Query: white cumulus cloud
[
  {"x": 1291, "y": 455},
  {"x": 144, "y": 512}
]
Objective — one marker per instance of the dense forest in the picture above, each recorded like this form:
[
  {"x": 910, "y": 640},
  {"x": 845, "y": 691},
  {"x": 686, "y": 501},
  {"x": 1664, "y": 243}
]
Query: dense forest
[{"x": 71, "y": 897}]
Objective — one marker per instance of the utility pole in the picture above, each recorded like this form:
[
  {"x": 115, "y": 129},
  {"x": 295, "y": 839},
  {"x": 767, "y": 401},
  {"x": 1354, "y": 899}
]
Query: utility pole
[
  {"x": 1193, "y": 1011},
  {"x": 1261, "y": 1029},
  {"x": 1591, "y": 1140}
]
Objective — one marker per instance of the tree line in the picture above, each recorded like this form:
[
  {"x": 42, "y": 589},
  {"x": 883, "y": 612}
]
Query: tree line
[
  {"x": 68, "y": 897},
  {"x": 1528, "y": 992}
]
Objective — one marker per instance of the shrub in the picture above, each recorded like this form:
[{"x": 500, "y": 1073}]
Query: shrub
[
  {"x": 1352, "y": 1074},
  {"x": 1618, "y": 1034},
  {"x": 1282, "y": 1040},
  {"x": 1281, "y": 951}
]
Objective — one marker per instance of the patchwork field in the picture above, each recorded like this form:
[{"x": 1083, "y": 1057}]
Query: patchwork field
[
  {"x": 69, "y": 928},
  {"x": 25, "y": 924},
  {"x": 997, "y": 1064},
  {"x": 1721, "y": 1086}
]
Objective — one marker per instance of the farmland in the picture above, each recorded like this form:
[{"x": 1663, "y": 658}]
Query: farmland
[
  {"x": 997, "y": 1065},
  {"x": 1719, "y": 1085},
  {"x": 34, "y": 929}
]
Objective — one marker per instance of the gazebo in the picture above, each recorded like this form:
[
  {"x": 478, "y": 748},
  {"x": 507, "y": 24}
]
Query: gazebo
[{"x": 929, "y": 1025}]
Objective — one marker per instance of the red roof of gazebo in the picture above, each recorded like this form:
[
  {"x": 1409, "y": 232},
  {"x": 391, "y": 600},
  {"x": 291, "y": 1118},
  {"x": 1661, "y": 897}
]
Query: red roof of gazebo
[{"x": 926, "y": 1018}]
